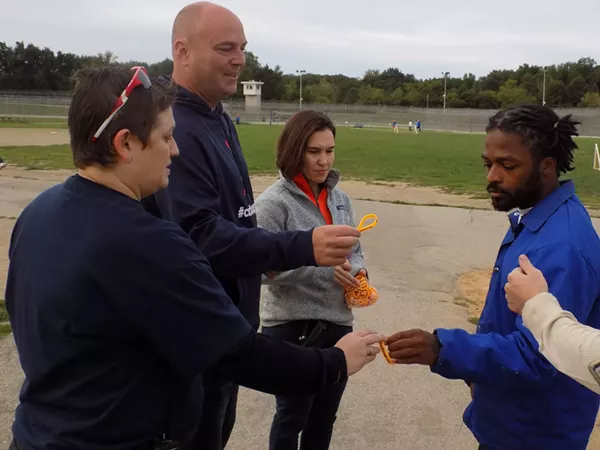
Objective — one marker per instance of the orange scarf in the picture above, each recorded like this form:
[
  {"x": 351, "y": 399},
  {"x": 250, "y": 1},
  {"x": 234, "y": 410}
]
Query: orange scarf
[{"x": 320, "y": 202}]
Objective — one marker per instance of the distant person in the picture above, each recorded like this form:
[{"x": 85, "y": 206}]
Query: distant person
[
  {"x": 131, "y": 305},
  {"x": 418, "y": 126},
  {"x": 237, "y": 119},
  {"x": 410, "y": 125},
  {"x": 307, "y": 306},
  {"x": 394, "y": 126},
  {"x": 520, "y": 400},
  {"x": 2, "y": 163},
  {"x": 210, "y": 196}
]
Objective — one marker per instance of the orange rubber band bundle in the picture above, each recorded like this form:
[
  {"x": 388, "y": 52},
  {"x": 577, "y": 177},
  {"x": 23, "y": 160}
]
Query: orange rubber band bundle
[{"x": 364, "y": 294}]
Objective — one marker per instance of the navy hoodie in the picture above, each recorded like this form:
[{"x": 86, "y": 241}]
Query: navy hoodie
[{"x": 210, "y": 197}]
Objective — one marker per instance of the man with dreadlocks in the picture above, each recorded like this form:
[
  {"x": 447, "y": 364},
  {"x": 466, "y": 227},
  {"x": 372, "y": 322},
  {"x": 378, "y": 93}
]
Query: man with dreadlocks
[{"x": 520, "y": 401}]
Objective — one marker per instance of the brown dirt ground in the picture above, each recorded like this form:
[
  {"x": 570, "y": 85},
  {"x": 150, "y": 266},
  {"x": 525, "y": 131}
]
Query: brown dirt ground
[
  {"x": 33, "y": 136},
  {"x": 396, "y": 192}
]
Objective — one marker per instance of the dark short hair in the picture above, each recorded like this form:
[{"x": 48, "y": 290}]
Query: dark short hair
[
  {"x": 542, "y": 131},
  {"x": 96, "y": 91},
  {"x": 292, "y": 142}
]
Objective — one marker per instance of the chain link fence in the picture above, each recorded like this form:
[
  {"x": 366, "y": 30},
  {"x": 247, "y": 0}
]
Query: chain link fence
[{"x": 54, "y": 105}]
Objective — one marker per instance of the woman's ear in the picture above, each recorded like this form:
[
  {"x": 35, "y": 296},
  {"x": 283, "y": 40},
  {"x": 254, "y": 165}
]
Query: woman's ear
[{"x": 123, "y": 145}]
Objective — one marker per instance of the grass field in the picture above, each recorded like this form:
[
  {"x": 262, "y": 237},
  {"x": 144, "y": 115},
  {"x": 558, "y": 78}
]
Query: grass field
[
  {"x": 447, "y": 160},
  {"x": 35, "y": 122},
  {"x": 4, "y": 325}
]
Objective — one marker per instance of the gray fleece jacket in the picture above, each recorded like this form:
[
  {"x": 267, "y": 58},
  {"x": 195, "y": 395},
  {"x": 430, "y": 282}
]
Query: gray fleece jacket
[{"x": 308, "y": 292}]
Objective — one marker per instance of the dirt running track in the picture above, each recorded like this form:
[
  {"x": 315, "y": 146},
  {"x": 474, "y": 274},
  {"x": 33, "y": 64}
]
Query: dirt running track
[
  {"x": 33, "y": 136},
  {"x": 414, "y": 256}
]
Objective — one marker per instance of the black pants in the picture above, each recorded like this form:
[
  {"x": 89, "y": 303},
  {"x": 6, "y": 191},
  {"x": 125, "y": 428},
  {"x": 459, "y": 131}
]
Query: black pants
[
  {"x": 313, "y": 416},
  {"x": 218, "y": 414}
]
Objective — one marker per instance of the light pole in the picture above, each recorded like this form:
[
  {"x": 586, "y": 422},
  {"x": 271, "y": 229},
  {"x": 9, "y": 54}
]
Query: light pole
[
  {"x": 301, "y": 72},
  {"x": 445, "y": 78},
  {"x": 544, "y": 88}
]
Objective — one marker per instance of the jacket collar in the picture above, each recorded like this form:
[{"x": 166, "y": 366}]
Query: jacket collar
[
  {"x": 332, "y": 180},
  {"x": 187, "y": 97},
  {"x": 541, "y": 212}
]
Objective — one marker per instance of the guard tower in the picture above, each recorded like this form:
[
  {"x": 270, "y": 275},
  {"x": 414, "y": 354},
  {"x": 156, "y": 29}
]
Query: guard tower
[{"x": 253, "y": 93}]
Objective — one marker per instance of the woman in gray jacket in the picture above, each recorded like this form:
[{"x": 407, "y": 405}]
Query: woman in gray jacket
[{"x": 307, "y": 305}]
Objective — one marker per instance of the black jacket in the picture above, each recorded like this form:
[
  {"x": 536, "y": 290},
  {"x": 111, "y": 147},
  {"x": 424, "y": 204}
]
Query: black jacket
[{"x": 210, "y": 197}]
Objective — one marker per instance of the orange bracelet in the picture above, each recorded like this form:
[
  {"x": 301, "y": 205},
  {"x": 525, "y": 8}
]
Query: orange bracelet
[
  {"x": 362, "y": 227},
  {"x": 386, "y": 353}
]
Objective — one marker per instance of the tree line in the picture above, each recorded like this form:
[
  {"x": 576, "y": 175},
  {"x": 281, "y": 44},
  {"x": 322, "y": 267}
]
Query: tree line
[{"x": 570, "y": 84}]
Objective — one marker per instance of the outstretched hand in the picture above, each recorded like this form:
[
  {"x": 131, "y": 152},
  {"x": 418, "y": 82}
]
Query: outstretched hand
[
  {"x": 332, "y": 244},
  {"x": 360, "y": 348},
  {"x": 414, "y": 347}
]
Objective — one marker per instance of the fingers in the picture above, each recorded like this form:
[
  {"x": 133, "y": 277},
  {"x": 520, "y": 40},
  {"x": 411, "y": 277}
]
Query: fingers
[
  {"x": 364, "y": 332},
  {"x": 525, "y": 264},
  {"x": 402, "y": 335},
  {"x": 374, "y": 350},
  {"x": 406, "y": 353},
  {"x": 344, "y": 230},
  {"x": 372, "y": 339},
  {"x": 414, "y": 360},
  {"x": 404, "y": 344},
  {"x": 336, "y": 253},
  {"x": 343, "y": 242},
  {"x": 346, "y": 278},
  {"x": 333, "y": 243},
  {"x": 342, "y": 281}
]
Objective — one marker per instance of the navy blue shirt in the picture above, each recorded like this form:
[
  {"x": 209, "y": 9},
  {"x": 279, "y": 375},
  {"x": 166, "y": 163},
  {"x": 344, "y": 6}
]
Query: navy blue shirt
[
  {"x": 520, "y": 399},
  {"x": 110, "y": 308},
  {"x": 210, "y": 196}
]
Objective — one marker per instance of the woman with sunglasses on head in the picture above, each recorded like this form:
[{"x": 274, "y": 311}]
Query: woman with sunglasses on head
[
  {"x": 307, "y": 306},
  {"x": 116, "y": 314}
]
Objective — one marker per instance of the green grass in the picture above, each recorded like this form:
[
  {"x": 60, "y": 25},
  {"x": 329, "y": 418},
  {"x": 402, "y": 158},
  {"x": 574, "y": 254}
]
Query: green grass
[
  {"x": 60, "y": 125},
  {"x": 4, "y": 325},
  {"x": 474, "y": 320},
  {"x": 447, "y": 160},
  {"x": 3, "y": 312},
  {"x": 5, "y": 329},
  {"x": 39, "y": 157},
  {"x": 450, "y": 161},
  {"x": 35, "y": 122}
]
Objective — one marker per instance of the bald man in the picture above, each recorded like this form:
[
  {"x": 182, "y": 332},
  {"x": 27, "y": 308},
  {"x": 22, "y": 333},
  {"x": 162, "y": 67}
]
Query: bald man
[{"x": 210, "y": 194}]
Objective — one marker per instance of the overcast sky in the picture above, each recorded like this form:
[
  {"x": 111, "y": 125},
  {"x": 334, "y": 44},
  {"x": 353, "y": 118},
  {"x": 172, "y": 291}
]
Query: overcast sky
[{"x": 423, "y": 37}]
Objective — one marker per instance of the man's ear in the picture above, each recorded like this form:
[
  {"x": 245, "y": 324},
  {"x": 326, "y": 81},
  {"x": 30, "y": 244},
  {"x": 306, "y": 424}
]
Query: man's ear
[
  {"x": 548, "y": 166},
  {"x": 180, "y": 51},
  {"x": 123, "y": 145}
]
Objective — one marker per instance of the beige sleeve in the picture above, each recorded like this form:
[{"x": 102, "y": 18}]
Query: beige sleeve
[{"x": 567, "y": 344}]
